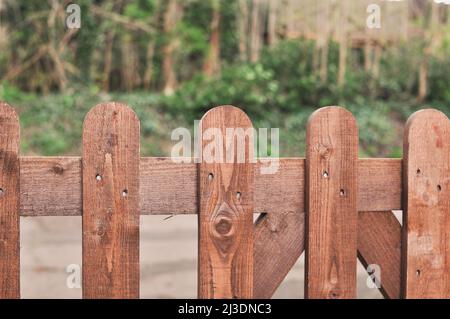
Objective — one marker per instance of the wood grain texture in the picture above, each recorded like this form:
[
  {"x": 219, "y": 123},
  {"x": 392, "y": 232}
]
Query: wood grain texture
[
  {"x": 9, "y": 203},
  {"x": 279, "y": 242},
  {"x": 45, "y": 180},
  {"x": 50, "y": 186},
  {"x": 426, "y": 218},
  {"x": 331, "y": 175},
  {"x": 379, "y": 184},
  {"x": 111, "y": 202},
  {"x": 379, "y": 243},
  {"x": 226, "y": 208}
]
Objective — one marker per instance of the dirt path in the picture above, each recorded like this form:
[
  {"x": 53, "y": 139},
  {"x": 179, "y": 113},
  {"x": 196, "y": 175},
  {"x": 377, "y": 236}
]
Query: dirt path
[{"x": 168, "y": 259}]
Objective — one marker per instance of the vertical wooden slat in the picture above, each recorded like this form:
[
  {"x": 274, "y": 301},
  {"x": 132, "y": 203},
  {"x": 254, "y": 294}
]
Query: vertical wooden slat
[
  {"x": 111, "y": 202},
  {"x": 426, "y": 218},
  {"x": 226, "y": 208},
  {"x": 9, "y": 203},
  {"x": 331, "y": 176}
]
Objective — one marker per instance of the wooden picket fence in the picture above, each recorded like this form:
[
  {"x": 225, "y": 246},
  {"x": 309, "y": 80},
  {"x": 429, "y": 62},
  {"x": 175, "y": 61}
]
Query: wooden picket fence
[{"x": 333, "y": 205}]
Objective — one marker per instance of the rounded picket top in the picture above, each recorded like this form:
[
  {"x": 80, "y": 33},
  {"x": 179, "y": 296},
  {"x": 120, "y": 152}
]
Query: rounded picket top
[
  {"x": 333, "y": 115},
  {"x": 9, "y": 121},
  {"x": 422, "y": 119},
  {"x": 332, "y": 111},
  {"x": 111, "y": 110},
  {"x": 229, "y": 114}
]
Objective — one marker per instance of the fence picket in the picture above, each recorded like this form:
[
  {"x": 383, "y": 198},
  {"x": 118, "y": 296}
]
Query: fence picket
[
  {"x": 426, "y": 218},
  {"x": 9, "y": 203},
  {"x": 226, "y": 209},
  {"x": 331, "y": 176},
  {"x": 111, "y": 202}
]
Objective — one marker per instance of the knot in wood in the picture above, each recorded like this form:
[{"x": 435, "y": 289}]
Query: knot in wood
[
  {"x": 324, "y": 151},
  {"x": 223, "y": 225},
  {"x": 101, "y": 231},
  {"x": 58, "y": 169}
]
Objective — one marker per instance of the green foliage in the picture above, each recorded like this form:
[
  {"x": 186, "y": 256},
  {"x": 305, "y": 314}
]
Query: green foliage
[
  {"x": 140, "y": 10},
  {"x": 282, "y": 89}
]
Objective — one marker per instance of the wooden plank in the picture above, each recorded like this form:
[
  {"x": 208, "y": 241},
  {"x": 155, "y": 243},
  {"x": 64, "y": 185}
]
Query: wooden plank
[
  {"x": 279, "y": 242},
  {"x": 226, "y": 207},
  {"x": 9, "y": 203},
  {"x": 331, "y": 175},
  {"x": 111, "y": 202},
  {"x": 379, "y": 184},
  {"x": 379, "y": 243},
  {"x": 45, "y": 180},
  {"x": 426, "y": 219}
]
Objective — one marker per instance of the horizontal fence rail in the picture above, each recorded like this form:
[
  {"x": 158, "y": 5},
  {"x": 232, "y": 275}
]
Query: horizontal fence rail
[
  {"x": 45, "y": 180},
  {"x": 331, "y": 205}
]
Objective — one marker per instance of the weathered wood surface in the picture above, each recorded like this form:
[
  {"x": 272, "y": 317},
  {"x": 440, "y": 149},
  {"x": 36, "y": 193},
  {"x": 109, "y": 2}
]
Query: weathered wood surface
[
  {"x": 426, "y": 218},
  {"x": 279, "y": 242},
  {"x": 332, "y": 215},
  {"x": 226, "y": 207},
  {"x": 46, "y": 180},
  {"x": 9, "y": 203},
  {"x": 379, "y": 243},
  {"x": 111, "y": 202}
]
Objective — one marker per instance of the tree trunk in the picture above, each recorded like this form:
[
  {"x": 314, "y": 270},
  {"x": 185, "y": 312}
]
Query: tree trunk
[
  {"x": 109, "y": 46},
  {"x": 322, "y": 20},
  {"x": 148, "y": 75},
  {"x": 108, "y": 59},
  {"x": 342, "y": 44},
  {"x": 433, "y": 26},
  {"x": 255, "y": 32},
  {"x": 130, "y": 74},
  {"x": 211, "y": 65},
  {"x": 368, "y": 56},
  {"x": 170, "y": 21},
  {"x": 58, "y": 63},
  {"x": 423, "y": 76},
  {"x": 376, "y": 61},
  {"x": 272, "y": 23},
  {"x": 243, "y": 29}
]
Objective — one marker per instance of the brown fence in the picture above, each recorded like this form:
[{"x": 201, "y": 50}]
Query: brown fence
[{"x": 348, "y": 204}]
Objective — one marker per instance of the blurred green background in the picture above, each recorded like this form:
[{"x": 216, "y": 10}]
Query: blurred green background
[{"x": 173, "y": 60}]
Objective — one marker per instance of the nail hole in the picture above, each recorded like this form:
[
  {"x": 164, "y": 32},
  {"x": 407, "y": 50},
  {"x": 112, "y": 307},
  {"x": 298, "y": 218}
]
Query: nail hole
[
  {"x": 1, "y": 191},
  {"x": 325, "y": 174},
  {"x": 334, "y": 295},
  {"x": 98, "y": 177},
  {"x": 210, "y": 176},
  {"x": 439, "y": 188},
  {"x": 418, "y": 272},
  {"x": 125, "y": 193},
  {"x": 418, "y": 171},
  {"x": 238, "y": 195},
  {"x": 342, "y": 193}
]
